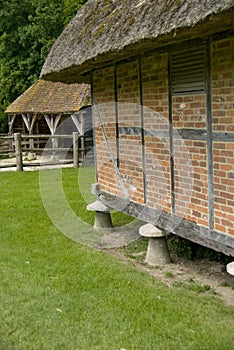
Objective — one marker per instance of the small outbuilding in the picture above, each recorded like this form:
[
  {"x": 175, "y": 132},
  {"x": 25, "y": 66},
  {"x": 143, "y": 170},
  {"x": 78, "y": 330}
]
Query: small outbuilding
[
  {"x": 47, "y": 107},
  {"x": 162, "y": 81}
]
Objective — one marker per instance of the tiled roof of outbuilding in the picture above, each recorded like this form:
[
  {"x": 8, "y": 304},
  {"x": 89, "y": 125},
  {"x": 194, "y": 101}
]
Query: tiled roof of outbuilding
[{"x": 51, "y": 97}]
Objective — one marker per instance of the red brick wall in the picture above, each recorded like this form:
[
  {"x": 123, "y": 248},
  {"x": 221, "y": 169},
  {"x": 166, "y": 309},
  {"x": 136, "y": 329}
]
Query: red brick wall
[
  {"x": 157, "y": 148},
  {"x": 190, "y": 156},
  {"x": 103, "y": 82},
  {"x": 223, "y": 121},
  {"x": 130, "y": 148}
]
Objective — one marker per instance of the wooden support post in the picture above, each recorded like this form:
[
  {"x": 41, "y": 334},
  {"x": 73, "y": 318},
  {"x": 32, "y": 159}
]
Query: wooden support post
[
  {"x": 54, "y": 142},
  {"x": 76, "y": 149},
  {"x": 82, "y": 148},
  {"x": 18, "y": 152},
  {"x": 31, "y": 143}
]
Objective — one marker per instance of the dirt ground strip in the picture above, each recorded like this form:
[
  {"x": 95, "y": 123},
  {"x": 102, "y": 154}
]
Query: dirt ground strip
[{"x": 200, "y": 271}]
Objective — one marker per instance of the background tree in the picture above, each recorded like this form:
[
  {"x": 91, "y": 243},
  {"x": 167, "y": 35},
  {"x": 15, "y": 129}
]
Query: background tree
[{"x": 28, "y": 28}]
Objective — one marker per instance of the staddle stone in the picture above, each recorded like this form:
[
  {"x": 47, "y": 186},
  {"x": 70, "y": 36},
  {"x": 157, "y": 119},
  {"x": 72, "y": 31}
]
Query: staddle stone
[
  {"x": 98, "y": 206},
  {"x": 149, "y": 230},
  {"x": 230, "y": 268},
  {"x": 102, "y": 216},
  {"x": 157, "y": 250}
]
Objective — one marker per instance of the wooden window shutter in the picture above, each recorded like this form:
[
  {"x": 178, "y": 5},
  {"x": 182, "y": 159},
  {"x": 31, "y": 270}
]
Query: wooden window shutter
[{"x": 188, "y": 70}]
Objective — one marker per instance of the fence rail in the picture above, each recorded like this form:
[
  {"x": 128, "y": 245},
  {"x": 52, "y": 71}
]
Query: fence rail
[{"x": 19, "y": 143}]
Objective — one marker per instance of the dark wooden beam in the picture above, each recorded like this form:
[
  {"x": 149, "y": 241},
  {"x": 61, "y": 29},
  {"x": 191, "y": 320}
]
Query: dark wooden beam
[
  {"x": 171, "y": 136},
  {"x": 209, "y": 127},
  {"x": 93, "y": 124},
  {"x": 142, "y": 131},
  {"x": 171, "y": 223},
  {"x": 116, "y": 114}
]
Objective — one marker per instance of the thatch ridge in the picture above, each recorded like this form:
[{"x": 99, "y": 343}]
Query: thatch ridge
[
  {"x": 51, "y": 97},
  {"x": 107, "y": 30}
]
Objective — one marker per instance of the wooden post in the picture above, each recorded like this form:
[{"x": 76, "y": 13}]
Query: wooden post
[
  {"x": 75, "y": 149},
  {"x": 82, "y": 147},
  {"x": 18, "y": 152},
  {"x": 31, "y": 143},
  {"x": 54, "y": 142}
]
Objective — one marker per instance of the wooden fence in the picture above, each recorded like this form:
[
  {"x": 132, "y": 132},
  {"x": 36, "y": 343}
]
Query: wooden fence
[{"x": 15, "y": 145}]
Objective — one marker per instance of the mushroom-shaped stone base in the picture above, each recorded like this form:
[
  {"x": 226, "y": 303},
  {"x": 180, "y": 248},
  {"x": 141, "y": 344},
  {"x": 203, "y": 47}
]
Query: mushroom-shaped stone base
[
  {"x": 230, "y": 268},
  {"x": 102, "y": 216},
  {"x": 157, "y": 251}
]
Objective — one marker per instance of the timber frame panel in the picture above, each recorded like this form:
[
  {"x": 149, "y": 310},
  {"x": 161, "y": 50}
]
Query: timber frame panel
[{"x": 207, "y": 235}]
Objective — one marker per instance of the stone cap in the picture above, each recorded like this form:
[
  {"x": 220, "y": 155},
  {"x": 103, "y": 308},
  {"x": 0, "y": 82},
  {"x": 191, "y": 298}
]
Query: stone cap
[
  {"x": 98, "y": 206},
  {"x": 149, "y": 230},
  {"x": 230, "y": 268}
]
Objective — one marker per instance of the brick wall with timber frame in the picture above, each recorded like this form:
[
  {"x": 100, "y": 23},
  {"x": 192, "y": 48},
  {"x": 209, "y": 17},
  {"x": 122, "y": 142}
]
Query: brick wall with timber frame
[{"x": 167, "y": 143}]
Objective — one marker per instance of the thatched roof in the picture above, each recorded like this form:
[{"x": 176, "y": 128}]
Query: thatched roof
[
  {"x": 104, "y": 31},
  {"x": 52, "y": 97}
]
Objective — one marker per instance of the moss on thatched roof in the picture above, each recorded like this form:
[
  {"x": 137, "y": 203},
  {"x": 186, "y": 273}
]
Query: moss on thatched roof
[
  {"x": 52, "y": 97},
  {"x": 104, "y": 31}
]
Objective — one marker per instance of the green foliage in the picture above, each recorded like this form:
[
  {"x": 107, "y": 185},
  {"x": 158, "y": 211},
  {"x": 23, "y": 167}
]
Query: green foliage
[
  {"x": 226, "y": 284},
  {"x": 169, "y": 274},
  {"x": 70, "y": 9},
  {"x": 136, "y": 247},
  {"x": 28, "y": 28},
  {"x": 191, "y": 250},
  {"x": 3, "y": 121},
  {"x": 194, "y": 287}
]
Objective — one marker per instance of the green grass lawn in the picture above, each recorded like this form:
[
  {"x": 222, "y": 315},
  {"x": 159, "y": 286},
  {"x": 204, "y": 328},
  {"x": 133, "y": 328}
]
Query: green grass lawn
[{"x": 58, "y": 294}]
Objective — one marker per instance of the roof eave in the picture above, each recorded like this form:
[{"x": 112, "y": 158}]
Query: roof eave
[{"x": 80, "y": 73}]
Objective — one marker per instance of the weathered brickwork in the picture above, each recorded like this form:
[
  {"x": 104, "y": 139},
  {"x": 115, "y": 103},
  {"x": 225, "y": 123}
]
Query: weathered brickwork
[
  {"x": 190, "y": 159},
  {"x": 130, "y": 166},
  {"x": 157, "y": 148},
  {"x": 103, "y": 82},
  {"x": 190, "y": 147},
  {"x": 189, "y": 111},
  {"x": 191, "y": 181},
  {"x": 223, "y": 122},
  {"x": 130, "y": 150},
  {"x": 223, "y": 85},
  {"x": 223, "y": 154},
  {"x": 129, "y": 146}
]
